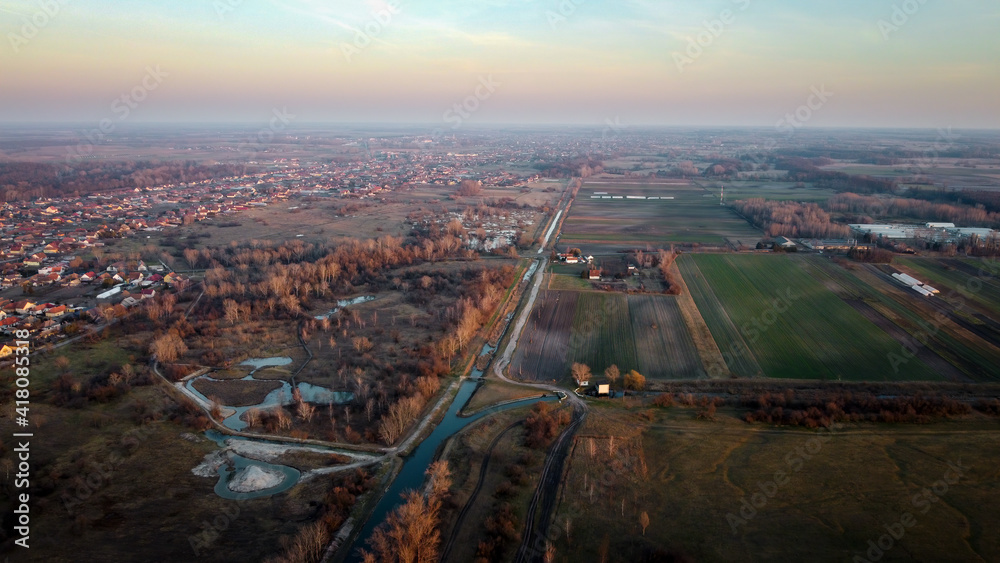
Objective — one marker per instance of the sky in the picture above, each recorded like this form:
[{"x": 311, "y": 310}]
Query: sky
[{"x": 455, "y": 63}]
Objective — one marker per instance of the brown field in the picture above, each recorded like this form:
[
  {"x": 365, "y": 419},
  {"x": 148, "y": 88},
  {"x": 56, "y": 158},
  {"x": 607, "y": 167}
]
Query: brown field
[
  {"x": 542, "y": 349},
  {"x": 647, "y": 333},
  {"x": 663, "y": 343}
]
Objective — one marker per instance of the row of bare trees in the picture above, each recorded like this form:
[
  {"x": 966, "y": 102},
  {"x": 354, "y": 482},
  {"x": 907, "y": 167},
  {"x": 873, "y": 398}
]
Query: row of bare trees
[{"x": 790, "y": 219}]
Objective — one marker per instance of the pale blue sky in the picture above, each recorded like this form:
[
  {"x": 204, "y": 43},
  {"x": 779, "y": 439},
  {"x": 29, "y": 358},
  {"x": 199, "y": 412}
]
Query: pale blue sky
[{"x": 569, "y": 61}]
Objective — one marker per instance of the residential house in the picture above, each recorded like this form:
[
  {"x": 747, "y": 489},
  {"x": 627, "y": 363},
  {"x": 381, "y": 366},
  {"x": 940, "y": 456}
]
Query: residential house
[
  {"x": 23, "y": 306},
  {"x": 7, "y": 325},
  {"x": 56, "y": 312}
]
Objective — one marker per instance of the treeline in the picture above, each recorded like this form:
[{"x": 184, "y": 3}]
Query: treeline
[
  {"x": 102, "y": 387},
  {"x": 790, "y": 219},
  {"x": 989, "y": 200},
  {"x": 871, "y": 255},
  {"x": 807, "y": 170},
  {"x": 892, "y": 208},
  {"x": 21, "y": 181},
  {"x": 786, "y": 409}
]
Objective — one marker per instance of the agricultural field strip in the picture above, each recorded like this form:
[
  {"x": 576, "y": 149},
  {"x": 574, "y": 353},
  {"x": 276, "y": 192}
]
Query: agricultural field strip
[
  {"x": 602, "y": 332},
  {"x": 663, "y": 343},
  {"x": 708, "y": 349},
  {"x": 542, "y": 348},
  {"x": 741, "y": 361},
  {"x": 600, "y": 329},
  {"x": 690, "y": 218}
]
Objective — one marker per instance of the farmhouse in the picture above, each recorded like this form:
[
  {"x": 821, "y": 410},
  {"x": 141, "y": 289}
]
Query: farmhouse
[{"x": 594, "y": 274}]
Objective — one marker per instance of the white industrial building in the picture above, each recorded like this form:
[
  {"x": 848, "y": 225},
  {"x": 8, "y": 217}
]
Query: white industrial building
[{"x": 928, "y": 231}]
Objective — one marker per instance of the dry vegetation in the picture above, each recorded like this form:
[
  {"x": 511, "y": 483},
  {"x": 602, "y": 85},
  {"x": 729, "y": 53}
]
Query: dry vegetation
[{"x": 692, "y": 477}]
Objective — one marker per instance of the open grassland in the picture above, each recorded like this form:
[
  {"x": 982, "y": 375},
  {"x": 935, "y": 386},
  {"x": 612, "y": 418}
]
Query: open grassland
[
  {"x": 328, "y": 218},
  {"x": 568, "y": 282},
  {"x": 795, "y": 326},
  {"x": 236, "y": 393},
  {"x": 642, "y": 332},
  {"x": 839, "y": 490},
  {"x": 500, "y": 485},
  {"x": 694, "y": 216},
  {"x": 493, "y": 391}
]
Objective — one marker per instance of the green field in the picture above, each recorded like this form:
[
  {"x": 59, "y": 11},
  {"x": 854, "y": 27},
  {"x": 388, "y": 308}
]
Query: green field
[
  {"x": 568, "y": 282},
  {"x": 969, "y": 278},
  {"x": 793, "y": 325},
  {"x": 959, "y": 355},
  {"x": 738, "y": 356},
  {"x": 694, "y": 216}
]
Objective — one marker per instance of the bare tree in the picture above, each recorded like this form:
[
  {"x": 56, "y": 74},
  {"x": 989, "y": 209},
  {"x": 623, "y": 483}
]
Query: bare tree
[
  {"x": 253, "y": 417},
  {"x": 612, "y": 373},
  {"x": 581, "y": 373}
]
